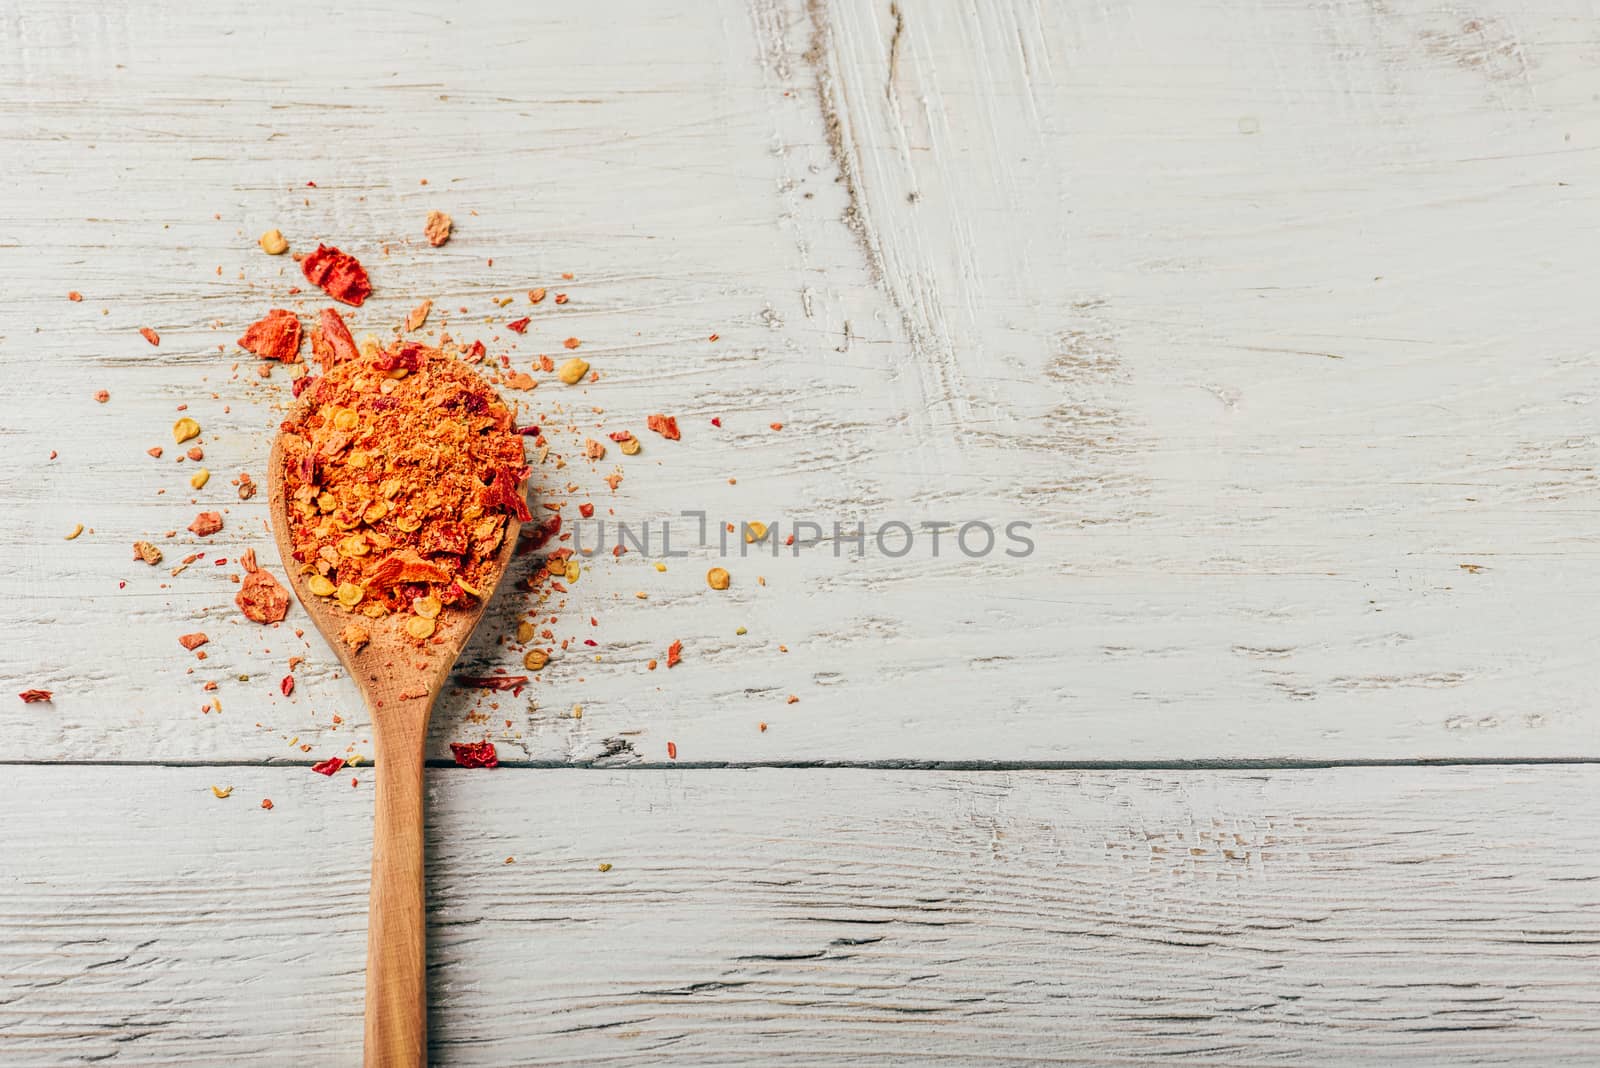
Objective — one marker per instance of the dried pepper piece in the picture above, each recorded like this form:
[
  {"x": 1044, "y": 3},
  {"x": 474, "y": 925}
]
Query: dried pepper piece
[
  {"x": 221, "y": 791},
  {"x": 337, "y": 274},
  {"x": 247, "y": 486},
  {"x": 273, "y": 243},
  {"x": 674, "y": 653},
  {"x": 143, "y": 550},
  {"x": 261, "y": 598},
  {"x": 572, "y": 343},
  {"x": 329, "y": 767},
  {"x": 276, "y": 336},
  {"x": 665, "y": 425},
  {"x": 206, "y": 524},
  {"x": 535, "y": 295},
  {"x": 492, "y": 682},
  {"x": 475, "y": 754},
  {"x": 74, "y": 532},
  {"x": 519, "y": 325},
  {"x": 33, "y": 697},
  {"x": 102, "y": 395},
  {"x": 150, "y": 335},
  {"x": 418, "y": 315},
  {"x": 355, "y": 636},
  {"x": 287, "y": 685},
  {"x": 438, "y": 227},
  {"x": 74, "y": 296},
  {"x": 182, "y": 431},
  {"x": 331, "y": 342},
  {"x": 193, "y": 641},
  {"x": 672, "y": 747},
  {"x": 536, "y": 659},
  {"x": 718, "y": 578},
  {"x": 266, "y": 803}
]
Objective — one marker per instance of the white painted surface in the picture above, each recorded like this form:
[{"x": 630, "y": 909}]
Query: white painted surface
[
  {"x": 1268, "y": 317},
  {"x": 819, "y": 917}
]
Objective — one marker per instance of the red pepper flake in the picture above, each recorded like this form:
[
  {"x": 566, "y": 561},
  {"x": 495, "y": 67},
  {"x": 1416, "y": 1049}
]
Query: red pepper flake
[
  {"x": 586, "y": 510},
  {"x": 337, "y": 274},
  {"x": 492, "y": 682},
  {"x": 274, "y": 337},
  {"x": 713, "y": 337},
  {"x": 716, "y": 421},
  {"x": 220, "y": 561},
  {"x": 674, "y": 653},
  {"x": 528, "y": 431},
  {"x": 206, "y": 524},
  {"x": 193, "y": 641},
  {"x": 561, "y": 298},
  {"x": 150, "y": 335},
  {"x": 519, "y": 325},
  {"x": 572, "y": 343},
  {"x": 287, "y": 685},
  {"x": 266, "y": 803},
  {"x": 102, "y": 395},
  {"x": 261, "y": 598},
  {"x": 329, "y": 766},
  {"x": 776, "y": 426},
  {"x": 33, "y": 697},
  {"x": 672, "y": 750},
  {"x": 591, "y": 642},
  {"x": 74, "y": 296},
  {"x": 331, "y": 342},
  {"x": 475, "y": 754},
  {"x": 665, "y": 425}
]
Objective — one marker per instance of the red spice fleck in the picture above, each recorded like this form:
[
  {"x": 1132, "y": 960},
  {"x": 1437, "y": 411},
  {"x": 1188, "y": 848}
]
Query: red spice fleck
[
  {"x": 266, "y": 803},
  {"x": 672, "y": 750},
  {"x": 337, "y": 274},
  {"x": 274, "y": 337},
  {"x": 475, "y": 754},
  {"x": 591, "y": 642},
  {"x": 519, "y": 325},
  {"x": 206, "y": 524},
  {"x": 492, "y": 682},
  {"x": 665, "y": 425},
  {"x": 674, "y": 653},
  {"x": 329, "y": 766},
  {"x": 150, "y": 335},
  {"x": 572, "y": 343},
  {"x": 717, "y": 421},
  {"x": 102, "y": 395},
  {"x": 261, "y": 598},
  {"x": 193, "y": 641},
  {"x": 776, "y": 426},
  {"x": 74, "y": 296},
  {"x": 32, "y": 697},
  {"x": 287, "y": 685},
  {"x": 561, "y": 298},
  {"x": 714, "y": 337},
  {"x": 586, "y": 510},
  {"x": 331, "y": 342}
]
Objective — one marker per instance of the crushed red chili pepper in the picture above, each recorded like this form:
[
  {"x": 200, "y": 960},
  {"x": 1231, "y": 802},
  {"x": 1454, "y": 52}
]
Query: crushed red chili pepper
[
  {"x": 329, "y": 766},
  {"x": 287, "y": 685},
  {"x": 672, "y": 750},
  {"x": 206, "y": 524},
  {"x": 674, "y": 653},
  {"x": 331, "y": 342},
  {"x": 274, "y": 337},
  {"x": 519, "y": 325},
  {"x": 475, "y": 754},
  {"x": 150, "y": 335},
  {"x": 402, "y": 476},
  {"x": 193, "y": 641},
  {"x": 261, "y": 597},
  {"x": 337, "y": 274},
  {"x": 665, "y": 425},
  {"x": 33, "y": 697}
]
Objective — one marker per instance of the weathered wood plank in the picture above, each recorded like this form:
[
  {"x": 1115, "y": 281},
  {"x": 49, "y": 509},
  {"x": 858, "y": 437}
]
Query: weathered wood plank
[
  {"x": 1263, "y": 315},
  {"x": 821, "y": 917}
]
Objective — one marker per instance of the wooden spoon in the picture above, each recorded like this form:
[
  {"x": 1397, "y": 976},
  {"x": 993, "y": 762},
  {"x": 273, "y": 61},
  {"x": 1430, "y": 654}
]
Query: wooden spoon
[{"x": 399, "y": 683}]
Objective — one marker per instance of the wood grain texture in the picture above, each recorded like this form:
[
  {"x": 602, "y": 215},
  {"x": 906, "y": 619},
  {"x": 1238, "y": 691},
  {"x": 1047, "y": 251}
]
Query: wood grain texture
[
  {"x": 818, "y": 917},
  {"x": 1264, "y": 315}
]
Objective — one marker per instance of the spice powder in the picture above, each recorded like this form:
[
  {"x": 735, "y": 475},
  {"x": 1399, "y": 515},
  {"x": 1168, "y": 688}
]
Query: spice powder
[{"x": 402, "y": 469}]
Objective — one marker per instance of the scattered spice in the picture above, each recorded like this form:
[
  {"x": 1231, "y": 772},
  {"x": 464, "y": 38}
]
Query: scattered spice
[
  {"x": 776, "y": 426},
  {"x": 273, "y": 243},
  {"x": 418, "y": 315},
  {"x": 519, "y": 326},
  {"x": 475, "y": 754},
  {"x": 221, "y": 791},
  {"x": 438, "y": 227},
  {"x": 74, "y": 532},
  {"x": 150, "y": 335},
  {"x": 261, "y": 597},
  {"x": 572, "y": 371},
  {"x": 143, "y": 550},
  {"x": 674, "y": 653},
  {"x": 33, "y": 697},
  {"x": 535, "y": 295},
  {"x": 206, "y": 524},
  {"x": 196, "y": 453},
  {"x": 74, "y": 296},
  {"x": 572, "y": 343},
  {"x": 329, "y": 767},
  {"x": 718, "y": 578},
  {"x": 102, "y": 395},
  {"x": 665, "y": 425},
  {"x": 331, "y": 342},
  {"x": 672, "y": 750},
  {"x": 154, "y": 450},
  {"x": 287, "y": 685},
  {"x": 605, "y": 867},
  {"x": 792, "y": 700},
  {"x": 536, "y": 659},
  {"x": 183, "y": 430},
  {"x": 276, "y": 336},
  {"x": 337, "y": 274},
  {"x": 199, "y": 479},
  {"x": 266, "y": 803},
  {"x": 193, "y": 641},
  {"x": 247, "y": 486}
]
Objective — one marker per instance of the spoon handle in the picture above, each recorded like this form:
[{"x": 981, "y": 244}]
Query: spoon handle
[{"x": 397, "y": 971}]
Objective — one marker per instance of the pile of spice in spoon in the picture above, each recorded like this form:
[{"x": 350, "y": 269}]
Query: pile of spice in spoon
[{"x": 402, "y": 468}]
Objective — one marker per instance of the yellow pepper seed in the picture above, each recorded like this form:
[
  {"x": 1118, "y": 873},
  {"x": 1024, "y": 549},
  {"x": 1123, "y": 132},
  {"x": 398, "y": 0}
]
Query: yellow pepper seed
[
  {"x": 630, "y": 447},
  {"x": 350, "y": 594},
  {"x": 573, "y": 571},
  {"x": 419, "y": 628},
  {"x": 660, "y": 566},
  {"x": 199, "y": 479},
  {"x": 572, "y": 371},
  {"x": 321, "y": 586},
  {"x": 718, "y": 578},
  {"x": 273, "y": 243},
  {"x": 427, "y": 607},
  {"x": 524, "y": 632},
  {"x": 221, "y": 791},
  {"x": 536, "y": 660},
  {"x": 76, "y": 530},
  {"x": 184, "y": 429},
  {"x": 754, "y": 531},
  {"x": 408, "y": 523},
  {"x": 346, "y": 419}
]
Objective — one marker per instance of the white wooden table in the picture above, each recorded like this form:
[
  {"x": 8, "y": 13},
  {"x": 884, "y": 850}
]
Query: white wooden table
[{"x": 1272, "y": 319}]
